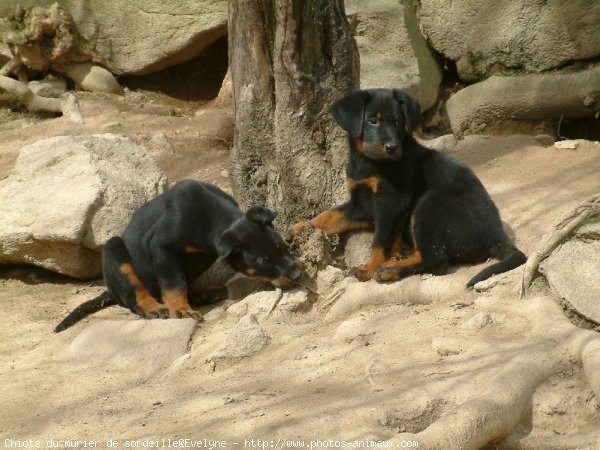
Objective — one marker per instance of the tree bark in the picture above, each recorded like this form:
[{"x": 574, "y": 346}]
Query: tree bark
[{"x": 289, "y": 60}]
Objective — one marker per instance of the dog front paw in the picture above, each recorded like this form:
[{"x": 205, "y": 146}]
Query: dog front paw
[
  {"x": 296, "y": 229},
  {"x": 154, "y": 313},
  {"x": 363, "y": 272},
  {"x": 384, "y": 274},
  {"x": 185, "y": 313}
]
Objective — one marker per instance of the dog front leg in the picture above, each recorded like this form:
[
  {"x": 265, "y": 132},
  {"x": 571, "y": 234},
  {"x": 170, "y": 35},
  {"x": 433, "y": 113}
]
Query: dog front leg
[
  {"x": 388, "y": 214},
  {"x": 346, "y": 217},
  {"x": 168, "y": 266}
]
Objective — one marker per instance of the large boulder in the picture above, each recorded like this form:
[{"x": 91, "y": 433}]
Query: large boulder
[
  {"x": 486, "y": 37},
  {"x": 572, "y": 270},
  {"x": 393, "y": 53},
  {"x": 67, "y": 195},
  {"x": 142, "y": 36}
]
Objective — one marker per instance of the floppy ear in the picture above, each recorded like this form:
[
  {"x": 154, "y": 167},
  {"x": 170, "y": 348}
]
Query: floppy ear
[
  {"x": 228, "y": 242},
  {"x": 410, "y": 108},
  {"x": 349, "y": 112},
  {"x": 261, "y": 215}
]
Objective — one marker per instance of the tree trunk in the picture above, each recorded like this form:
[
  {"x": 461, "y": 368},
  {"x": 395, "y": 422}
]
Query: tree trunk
[{"x": 289, "y": 60}]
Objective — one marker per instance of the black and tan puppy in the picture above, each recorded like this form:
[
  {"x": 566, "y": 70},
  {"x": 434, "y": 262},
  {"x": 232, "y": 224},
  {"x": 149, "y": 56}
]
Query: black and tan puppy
[
  {"x": 411, "y": 195},
  {"x": 174, "y": 238}
]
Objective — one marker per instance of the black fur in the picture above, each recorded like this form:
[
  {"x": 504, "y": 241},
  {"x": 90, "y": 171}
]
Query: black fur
[
  {"x": 174, "y": 238},
  {"x": 408, "y": 193}
]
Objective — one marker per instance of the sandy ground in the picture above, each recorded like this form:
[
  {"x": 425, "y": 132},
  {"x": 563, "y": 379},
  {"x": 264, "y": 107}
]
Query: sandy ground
[{"x": 314, "y": 380}]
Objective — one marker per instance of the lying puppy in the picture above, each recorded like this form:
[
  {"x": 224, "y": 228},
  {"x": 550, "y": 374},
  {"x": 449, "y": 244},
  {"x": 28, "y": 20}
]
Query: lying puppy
[
  {"x": 410, "y": 194},
  {"x": 174, "y": 238}
]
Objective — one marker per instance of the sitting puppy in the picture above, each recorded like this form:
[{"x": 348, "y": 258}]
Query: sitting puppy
[
  {"x": 410, "y": 194},
  {"x": 174, "y": 238}
]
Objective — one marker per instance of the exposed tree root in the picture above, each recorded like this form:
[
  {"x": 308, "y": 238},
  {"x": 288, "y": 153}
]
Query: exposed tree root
[
  {"x": 67, "y": 105},
  {"x": 43, "y": 40},
  {"x": 412, "y": 290},
  {"x": 91, "y": 77},
  {"x": 562, "y": 232},
  {"x": 494, "y": 412},
  {"x": 585, "y": 345},
  {"x": 558, "y": 442}
]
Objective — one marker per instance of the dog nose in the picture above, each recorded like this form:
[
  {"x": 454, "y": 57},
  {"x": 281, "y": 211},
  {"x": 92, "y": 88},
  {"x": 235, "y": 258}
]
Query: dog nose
[{"x": 389, "y": 147}]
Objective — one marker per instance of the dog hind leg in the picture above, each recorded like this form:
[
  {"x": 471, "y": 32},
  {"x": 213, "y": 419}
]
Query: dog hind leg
[
  {"x": 124, "y": 284},
  {"x": 429, "y": 255}
]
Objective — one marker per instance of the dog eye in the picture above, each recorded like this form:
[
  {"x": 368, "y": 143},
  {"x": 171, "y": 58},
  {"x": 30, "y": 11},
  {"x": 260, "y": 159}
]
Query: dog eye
[{"x": 373, "y": 121}]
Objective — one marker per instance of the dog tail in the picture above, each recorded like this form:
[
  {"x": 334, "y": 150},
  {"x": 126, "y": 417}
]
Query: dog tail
[
  {"x": 104, "y": 300},
  {"x": 510, "y": 257}
]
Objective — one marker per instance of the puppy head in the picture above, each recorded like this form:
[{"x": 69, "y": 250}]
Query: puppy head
[
  {"x": 253, "y": 247},
  {"x": 377, "y": 120}
]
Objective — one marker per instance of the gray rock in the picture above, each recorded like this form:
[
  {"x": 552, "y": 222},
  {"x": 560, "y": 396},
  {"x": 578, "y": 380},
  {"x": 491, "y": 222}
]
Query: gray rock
[
  {"x": 442, "y": 144},
  {"x": 143, "y": 37},
  {"x": 246, "y": 339},
  {"x": 358, "y": 248},
  {"x": 91, "y": 77},
  {"x": 329, "y": 279},
  {"x": 567, "y": 145},
  {"x": 225, "y": 97},
  {"x": 545, "y": 140},
  {"x": 142, "y": 345},
  {"x": 499, "y": 100},
  {"x": 446, "y": 346},
  {"x": 50, "y": 87},
  {"x": 572, "y": 272},
  {"x": 217, "y": 275},
  {"x": 215, "y": 315},
  {"x": 261, "y": 303},
  {"x": 393, "y": 53},
  {"x": 293, "y": 301},
  {"x": 240, "y": 286},
  {"x": 67, "y": 195},
  {"x": 486, "y": 37},
  {"x": 356, "y": 329},
  {"x": 482, "y": 320}
]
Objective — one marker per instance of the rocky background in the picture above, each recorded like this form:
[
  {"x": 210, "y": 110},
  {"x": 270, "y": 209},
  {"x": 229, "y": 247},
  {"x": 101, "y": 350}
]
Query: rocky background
[{"x": 104, "y": 104}]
